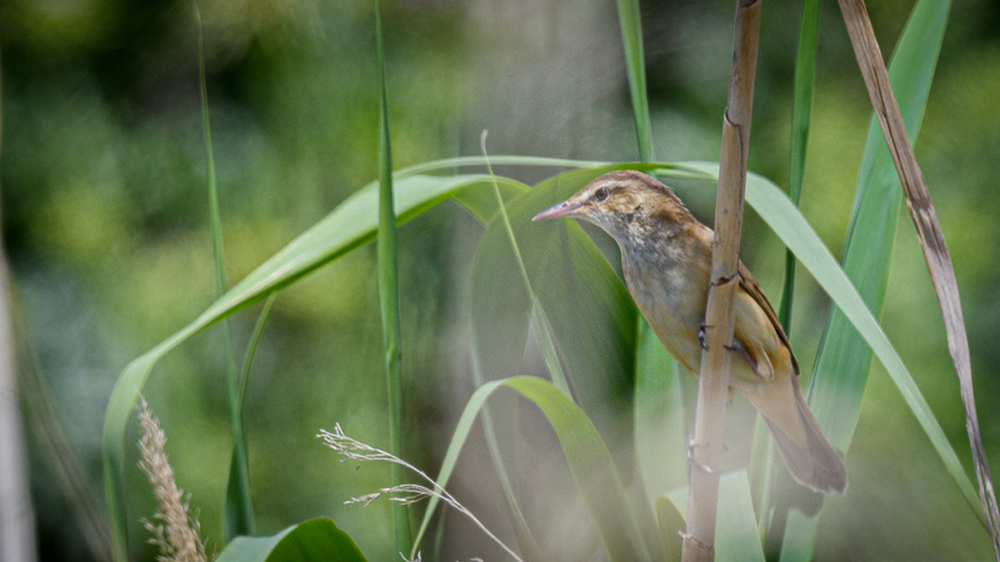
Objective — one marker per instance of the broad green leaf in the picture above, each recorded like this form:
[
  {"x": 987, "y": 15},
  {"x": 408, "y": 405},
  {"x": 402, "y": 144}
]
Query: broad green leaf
[
  {"x": 238, "y": 512},
  {"x": 589, "y": 461},
  {"x": 805, "y": 81},
  {"x": 659, "y": 416},
  {"x": 238, "y": 519},
  {"x": 506, "y": 287},
  {"x": 736, "y": 536},
  {"x": 349, "y": 226},
  {"x": 840, "y": 374},
  {"x": 315, "y": 540},
  {"x": 671, "y": 523},
  {"x": 843, "y": 362}
]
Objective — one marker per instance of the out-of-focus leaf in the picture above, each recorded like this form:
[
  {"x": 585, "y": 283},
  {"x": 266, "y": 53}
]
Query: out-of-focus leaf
[
  {"x": 736, "y": 536},
  {"x": 660, "y": 432},
  {"x": 588, "y": 458},
  {"x": 350, "y": 225},
  {"x": 315, "y": 540},
  {"x": 671, "y": 522}
]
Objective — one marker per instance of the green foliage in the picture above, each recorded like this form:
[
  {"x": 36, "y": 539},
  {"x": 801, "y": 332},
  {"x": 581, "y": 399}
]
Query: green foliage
[
  {"x": 104, "y": 223},
  {"x": 589, "y": 461},
  {"x": 315, "y": 540},
  {"x": 840, "y": 375},
  {"x": 388, "y": 289},
  {"x": 352, "y": 224}
]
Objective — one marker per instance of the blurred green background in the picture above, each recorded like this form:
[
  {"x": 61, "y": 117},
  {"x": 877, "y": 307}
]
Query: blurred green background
[{"x": 105, "y": 219}]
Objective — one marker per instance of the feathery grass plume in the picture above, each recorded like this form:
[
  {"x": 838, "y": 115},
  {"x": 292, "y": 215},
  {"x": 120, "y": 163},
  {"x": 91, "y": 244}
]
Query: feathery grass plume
[
  {"x": 352, "y": 449},
  {"x": 178, "y": 538}
]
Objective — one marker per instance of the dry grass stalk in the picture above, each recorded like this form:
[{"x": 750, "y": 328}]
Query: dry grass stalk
[
  {"x": 918, "y": 201},
  {"x": 713, "y": 381},
  {"x": 179, "y": 535},
  {"x": 352, "y": 449}
]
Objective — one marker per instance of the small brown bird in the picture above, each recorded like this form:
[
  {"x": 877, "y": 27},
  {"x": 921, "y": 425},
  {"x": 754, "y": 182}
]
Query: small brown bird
[{"x": 667, "y": 258}]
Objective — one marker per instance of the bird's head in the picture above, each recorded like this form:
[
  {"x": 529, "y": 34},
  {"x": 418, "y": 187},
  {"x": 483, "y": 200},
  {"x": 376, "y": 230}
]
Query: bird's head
[{"x": 628, "y": 205}]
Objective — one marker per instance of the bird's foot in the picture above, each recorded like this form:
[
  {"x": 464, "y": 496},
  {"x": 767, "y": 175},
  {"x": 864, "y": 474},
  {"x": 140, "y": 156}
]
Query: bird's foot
[
  {"x": 701, "y": 336},
  {"x": 738, "y": 348}
]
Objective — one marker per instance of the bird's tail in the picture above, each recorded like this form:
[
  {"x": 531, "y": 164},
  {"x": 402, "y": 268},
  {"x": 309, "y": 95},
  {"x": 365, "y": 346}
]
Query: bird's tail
[{"x": 810, "y": 458}]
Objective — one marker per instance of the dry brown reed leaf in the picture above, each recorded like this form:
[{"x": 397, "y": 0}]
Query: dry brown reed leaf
[{"x": 918, "y": 200}]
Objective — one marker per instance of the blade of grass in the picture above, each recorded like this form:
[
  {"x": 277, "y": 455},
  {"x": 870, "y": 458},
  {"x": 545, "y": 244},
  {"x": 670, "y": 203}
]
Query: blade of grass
[
  {"x": 942, "y": 271},
  {"x": 239, "y": 505},
  {"x": 559, "y": 377},
  {"x": 805, "y": 82},
  {"x": 659, "y": 416},
  {"x": 631, "y": 25},
  {"x": 388, "y": 285},
  {"x": 564, "y": 267},
  {"x": 738, "y": 539},
  {"x": 840, "y": 374},
  {"x": 235, "y": 474},
  {"x": 762, "y": 455}
]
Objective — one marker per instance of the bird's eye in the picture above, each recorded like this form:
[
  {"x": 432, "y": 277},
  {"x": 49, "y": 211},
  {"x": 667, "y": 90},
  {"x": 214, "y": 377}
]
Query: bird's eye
[{"x": 601, "y": 194}]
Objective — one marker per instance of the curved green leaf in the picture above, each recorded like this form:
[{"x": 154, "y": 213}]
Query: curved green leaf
[
  {"x": 350, "y": 225},
  {"x": 589, "y": 461},
  {"x": 315, "y": 540}
]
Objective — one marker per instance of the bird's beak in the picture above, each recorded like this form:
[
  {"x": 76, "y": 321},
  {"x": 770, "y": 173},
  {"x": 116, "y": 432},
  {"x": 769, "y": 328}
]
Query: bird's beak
[{"x": 567, "y": 208}]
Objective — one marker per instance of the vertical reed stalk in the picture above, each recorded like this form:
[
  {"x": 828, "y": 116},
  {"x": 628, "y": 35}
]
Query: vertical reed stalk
[{"x": 713, "y": 382}]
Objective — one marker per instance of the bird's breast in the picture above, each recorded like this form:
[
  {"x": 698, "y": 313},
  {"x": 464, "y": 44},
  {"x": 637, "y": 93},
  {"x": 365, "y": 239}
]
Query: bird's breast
[{"x": 671, "y": 295}]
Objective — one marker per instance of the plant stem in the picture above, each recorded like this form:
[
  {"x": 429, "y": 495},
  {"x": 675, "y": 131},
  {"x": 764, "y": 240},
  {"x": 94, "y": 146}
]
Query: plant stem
[
  {"x": 713, "y": 382},
  {"x": 388, "y": 284}
]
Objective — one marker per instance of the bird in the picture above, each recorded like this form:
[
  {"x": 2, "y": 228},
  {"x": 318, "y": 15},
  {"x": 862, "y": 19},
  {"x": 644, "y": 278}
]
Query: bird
[{"x": 666, "y": 258}]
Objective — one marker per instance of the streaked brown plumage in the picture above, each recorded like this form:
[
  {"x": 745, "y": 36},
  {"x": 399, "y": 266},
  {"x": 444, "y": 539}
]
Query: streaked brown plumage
[{"x": 667, "y": 258}]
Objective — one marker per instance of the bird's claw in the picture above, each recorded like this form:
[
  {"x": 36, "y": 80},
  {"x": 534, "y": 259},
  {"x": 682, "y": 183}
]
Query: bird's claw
[
  {"x": 701, "y": 336},
  {"x": 723, "y": 279}
]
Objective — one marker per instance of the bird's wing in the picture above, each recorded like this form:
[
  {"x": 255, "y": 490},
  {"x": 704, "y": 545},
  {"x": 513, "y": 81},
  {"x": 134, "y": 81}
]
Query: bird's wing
[{"x": 752, "y": 288}]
